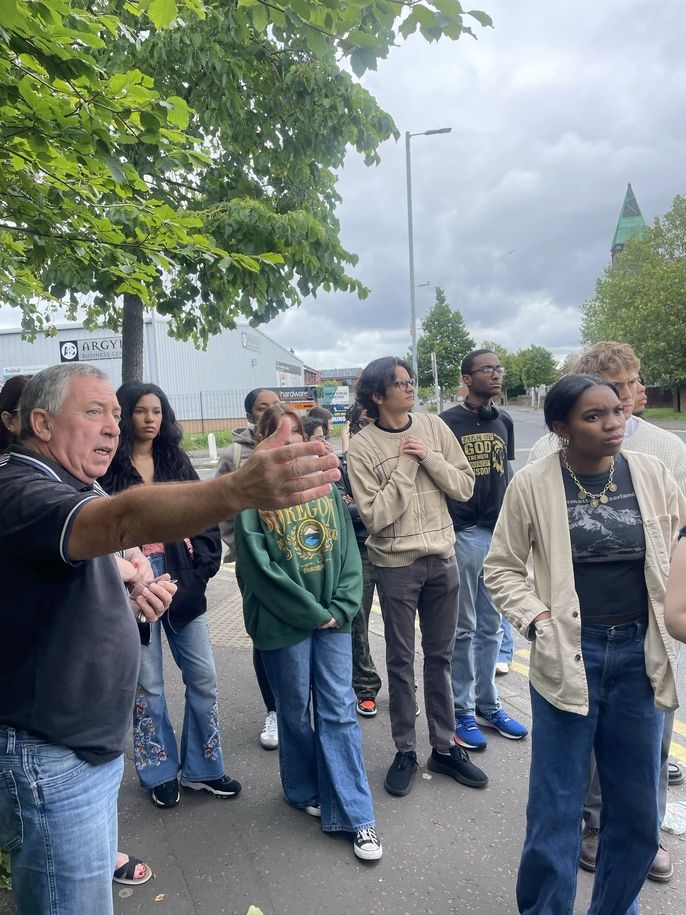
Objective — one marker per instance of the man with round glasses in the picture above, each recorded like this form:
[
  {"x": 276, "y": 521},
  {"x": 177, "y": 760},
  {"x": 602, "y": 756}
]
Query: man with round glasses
[
  {"x": 402, "y": 467},
  {"x": 486, "y": 435}
]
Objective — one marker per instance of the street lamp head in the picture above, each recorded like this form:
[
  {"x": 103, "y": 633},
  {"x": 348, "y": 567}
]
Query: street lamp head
[{"x": 430, "y": 133}]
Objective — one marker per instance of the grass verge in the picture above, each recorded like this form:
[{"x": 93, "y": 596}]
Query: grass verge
[{"x": 663, "y": 413}]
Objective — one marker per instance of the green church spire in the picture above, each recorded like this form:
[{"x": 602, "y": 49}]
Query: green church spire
[{"x": 631, "y": 222}]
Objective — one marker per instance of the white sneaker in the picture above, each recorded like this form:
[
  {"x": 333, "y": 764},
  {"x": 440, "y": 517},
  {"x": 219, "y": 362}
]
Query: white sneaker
[
  {"x": 269, "y": 738},
  {"x": 501, "y": 668},
  {"x": 366, "y": 845}
]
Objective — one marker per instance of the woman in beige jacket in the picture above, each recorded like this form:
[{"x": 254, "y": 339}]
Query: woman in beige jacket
[{"x": 599, "y": 526}]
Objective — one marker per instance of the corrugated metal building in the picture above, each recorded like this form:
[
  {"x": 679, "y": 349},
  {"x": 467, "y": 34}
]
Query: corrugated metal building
[{"x": 205, "y": 387}]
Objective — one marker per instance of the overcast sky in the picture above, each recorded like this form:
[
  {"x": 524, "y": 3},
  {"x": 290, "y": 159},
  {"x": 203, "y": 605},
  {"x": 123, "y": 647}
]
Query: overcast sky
[{"x": 552, "y": 113}]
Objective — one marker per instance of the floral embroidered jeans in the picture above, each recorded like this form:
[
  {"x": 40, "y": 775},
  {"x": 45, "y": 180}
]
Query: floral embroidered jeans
[{"x": 157, "y": 757}]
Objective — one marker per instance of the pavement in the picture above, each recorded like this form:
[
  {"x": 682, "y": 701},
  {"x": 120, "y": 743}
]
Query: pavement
[{"x": 447, "y": 849}]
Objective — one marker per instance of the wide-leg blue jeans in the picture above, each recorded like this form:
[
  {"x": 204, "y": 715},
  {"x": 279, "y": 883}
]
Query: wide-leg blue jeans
[
  {"x": 320, "y": 745},
  {"x": 156, "y": 755},
  {"x": 58, "y": 820},
  {"x": 625, "y": 729}
]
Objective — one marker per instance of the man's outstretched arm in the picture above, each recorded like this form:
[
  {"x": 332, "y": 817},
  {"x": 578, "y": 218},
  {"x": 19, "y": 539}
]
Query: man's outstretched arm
[{"x": 276, "y": 476}]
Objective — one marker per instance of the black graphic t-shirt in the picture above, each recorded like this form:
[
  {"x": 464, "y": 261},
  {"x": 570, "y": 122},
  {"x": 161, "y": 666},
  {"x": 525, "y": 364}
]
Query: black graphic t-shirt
[
  {"x": 488, "y": 445},
  {"x": 608, "y": 549}
]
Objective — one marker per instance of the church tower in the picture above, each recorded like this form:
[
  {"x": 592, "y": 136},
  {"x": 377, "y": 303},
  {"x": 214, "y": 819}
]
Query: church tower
[{"x": 631, "y": 222}]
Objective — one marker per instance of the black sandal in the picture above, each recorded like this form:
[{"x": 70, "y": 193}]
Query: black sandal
[{"x": 125, "y": 873}]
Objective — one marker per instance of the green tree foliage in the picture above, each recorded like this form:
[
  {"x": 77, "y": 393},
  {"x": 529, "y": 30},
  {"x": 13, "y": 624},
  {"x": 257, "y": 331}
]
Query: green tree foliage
[
  {"x": 266, "y": 90},
  {"x": 242, "y": 224},
  {"x": 641, "y": 299},
  {"x": 536, "y": 366},
  {"x": 444, "y": 333},
  {"x": 73, "y": 207},
  {"x": 513, "y": 379}
]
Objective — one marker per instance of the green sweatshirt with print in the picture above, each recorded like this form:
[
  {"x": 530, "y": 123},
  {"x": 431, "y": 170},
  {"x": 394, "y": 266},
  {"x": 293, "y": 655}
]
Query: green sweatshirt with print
[{"x": 300, "y": 566}]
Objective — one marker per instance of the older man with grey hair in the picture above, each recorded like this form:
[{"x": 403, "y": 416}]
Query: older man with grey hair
[{"x": 70, "y": 642}]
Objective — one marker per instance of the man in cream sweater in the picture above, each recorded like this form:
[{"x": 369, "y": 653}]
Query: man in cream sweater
[
  {"x": 618, "y": 363},
  {"x": 402, "y": 467}
]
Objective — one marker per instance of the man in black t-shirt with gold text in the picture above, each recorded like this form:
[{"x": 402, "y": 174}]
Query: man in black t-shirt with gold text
[{"x": 486, "y": 435}]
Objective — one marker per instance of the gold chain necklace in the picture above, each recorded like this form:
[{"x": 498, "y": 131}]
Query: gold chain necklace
[{"x": 596, "y": 498}]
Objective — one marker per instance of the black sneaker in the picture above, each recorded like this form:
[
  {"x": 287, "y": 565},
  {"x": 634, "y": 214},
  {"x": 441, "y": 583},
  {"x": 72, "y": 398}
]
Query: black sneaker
[
  {"x": 219, "y": 787},
  {"x": 399, "y": 777},
  {"x": 457, "y": 766},
  {"x": 366, "y": 844},
  {"x": 166, "y": 794}
]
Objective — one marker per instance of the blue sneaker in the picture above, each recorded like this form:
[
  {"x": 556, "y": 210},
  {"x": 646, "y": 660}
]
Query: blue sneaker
[
  {"x": 503, "y": 724},
  {"x": 467, "y": 733}
]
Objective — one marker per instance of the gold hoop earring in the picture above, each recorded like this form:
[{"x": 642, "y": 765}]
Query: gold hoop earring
[{"x": 563, "y": 441}]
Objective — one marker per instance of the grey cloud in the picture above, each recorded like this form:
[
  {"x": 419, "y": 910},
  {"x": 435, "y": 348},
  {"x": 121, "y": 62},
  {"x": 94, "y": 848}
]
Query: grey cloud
[{"x": 553, "y": 113}]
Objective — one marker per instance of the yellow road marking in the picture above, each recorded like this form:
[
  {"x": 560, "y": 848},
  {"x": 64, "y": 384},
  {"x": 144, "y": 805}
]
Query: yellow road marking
[
  {"x": 520, "y": 668},
  {"x": 680, "y": 728},
  {"x": 678, "y": 751}
]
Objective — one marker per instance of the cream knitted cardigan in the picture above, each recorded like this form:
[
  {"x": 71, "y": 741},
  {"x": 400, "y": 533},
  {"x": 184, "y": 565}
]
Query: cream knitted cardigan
[{"x": 402, "y": 502}]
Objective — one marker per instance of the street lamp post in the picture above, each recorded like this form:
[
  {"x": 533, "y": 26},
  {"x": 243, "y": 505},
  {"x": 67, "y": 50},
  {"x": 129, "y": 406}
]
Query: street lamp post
[{"x": 410, "y": 236}]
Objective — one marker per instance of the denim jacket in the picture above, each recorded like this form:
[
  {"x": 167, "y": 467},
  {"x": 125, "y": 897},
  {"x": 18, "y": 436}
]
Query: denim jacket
[{"x": 533, "y": 523}]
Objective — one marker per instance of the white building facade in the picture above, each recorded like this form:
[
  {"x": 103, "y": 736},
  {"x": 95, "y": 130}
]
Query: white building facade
[{"x": 205, "y": 387}]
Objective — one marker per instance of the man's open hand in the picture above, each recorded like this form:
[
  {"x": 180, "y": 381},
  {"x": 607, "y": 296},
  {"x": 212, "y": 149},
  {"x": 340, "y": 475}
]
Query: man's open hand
[{"x": 279, "y": 475}]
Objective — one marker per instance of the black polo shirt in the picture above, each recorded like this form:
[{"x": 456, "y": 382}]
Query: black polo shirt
[{"x": 70, "y": 645}]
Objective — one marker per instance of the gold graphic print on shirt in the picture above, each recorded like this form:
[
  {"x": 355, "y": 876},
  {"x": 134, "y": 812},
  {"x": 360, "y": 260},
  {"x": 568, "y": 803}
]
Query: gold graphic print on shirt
[
  {"x": 308, "y": 531},
  {"x": 485, "y": 452}
]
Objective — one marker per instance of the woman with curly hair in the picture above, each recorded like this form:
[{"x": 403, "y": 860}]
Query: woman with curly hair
[{"x": 150, "y": 452}]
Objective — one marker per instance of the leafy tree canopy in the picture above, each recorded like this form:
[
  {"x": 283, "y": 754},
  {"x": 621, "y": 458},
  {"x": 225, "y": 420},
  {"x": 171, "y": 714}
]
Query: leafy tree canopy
[
  {"x": 444, "y": 333},
  {"x": 536, "y": 366},
  {"x": 110, "y": 193},
  {"x": 513, "y": 379},
  {"x": 72, "y": 204},
  {"x": 641, "y": 299}
]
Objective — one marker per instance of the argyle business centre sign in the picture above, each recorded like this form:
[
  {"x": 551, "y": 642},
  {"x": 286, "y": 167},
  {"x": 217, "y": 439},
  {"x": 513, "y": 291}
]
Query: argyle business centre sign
[{"x": 91, "y": 349}]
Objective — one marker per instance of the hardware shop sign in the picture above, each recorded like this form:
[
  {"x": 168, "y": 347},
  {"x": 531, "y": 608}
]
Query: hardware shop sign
[{"x": 92, "y": 349}]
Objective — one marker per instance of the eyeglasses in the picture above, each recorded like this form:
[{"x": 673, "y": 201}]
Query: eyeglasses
[
  {"x": 490, "y": 370},
  {"x": 404, "y": 385}
]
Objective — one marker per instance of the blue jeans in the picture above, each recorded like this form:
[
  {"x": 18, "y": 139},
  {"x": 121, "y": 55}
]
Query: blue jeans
[
  {"x": 155, "y": 751},
  {"x": 506, "y": 652},
  {"x": 58, "y": 819},
  {"x": 478, "y": 634},
  {"x": 625, "y": 729},
  {"x": 321, "y": 764}
]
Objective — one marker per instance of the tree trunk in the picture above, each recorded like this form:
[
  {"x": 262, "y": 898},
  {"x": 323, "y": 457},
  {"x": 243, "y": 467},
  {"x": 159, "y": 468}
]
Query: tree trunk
[{"x": 132, "y": 339}]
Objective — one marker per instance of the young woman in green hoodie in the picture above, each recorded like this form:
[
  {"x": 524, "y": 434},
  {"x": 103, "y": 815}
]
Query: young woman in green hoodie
[{"x": 303, "y": 584}]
